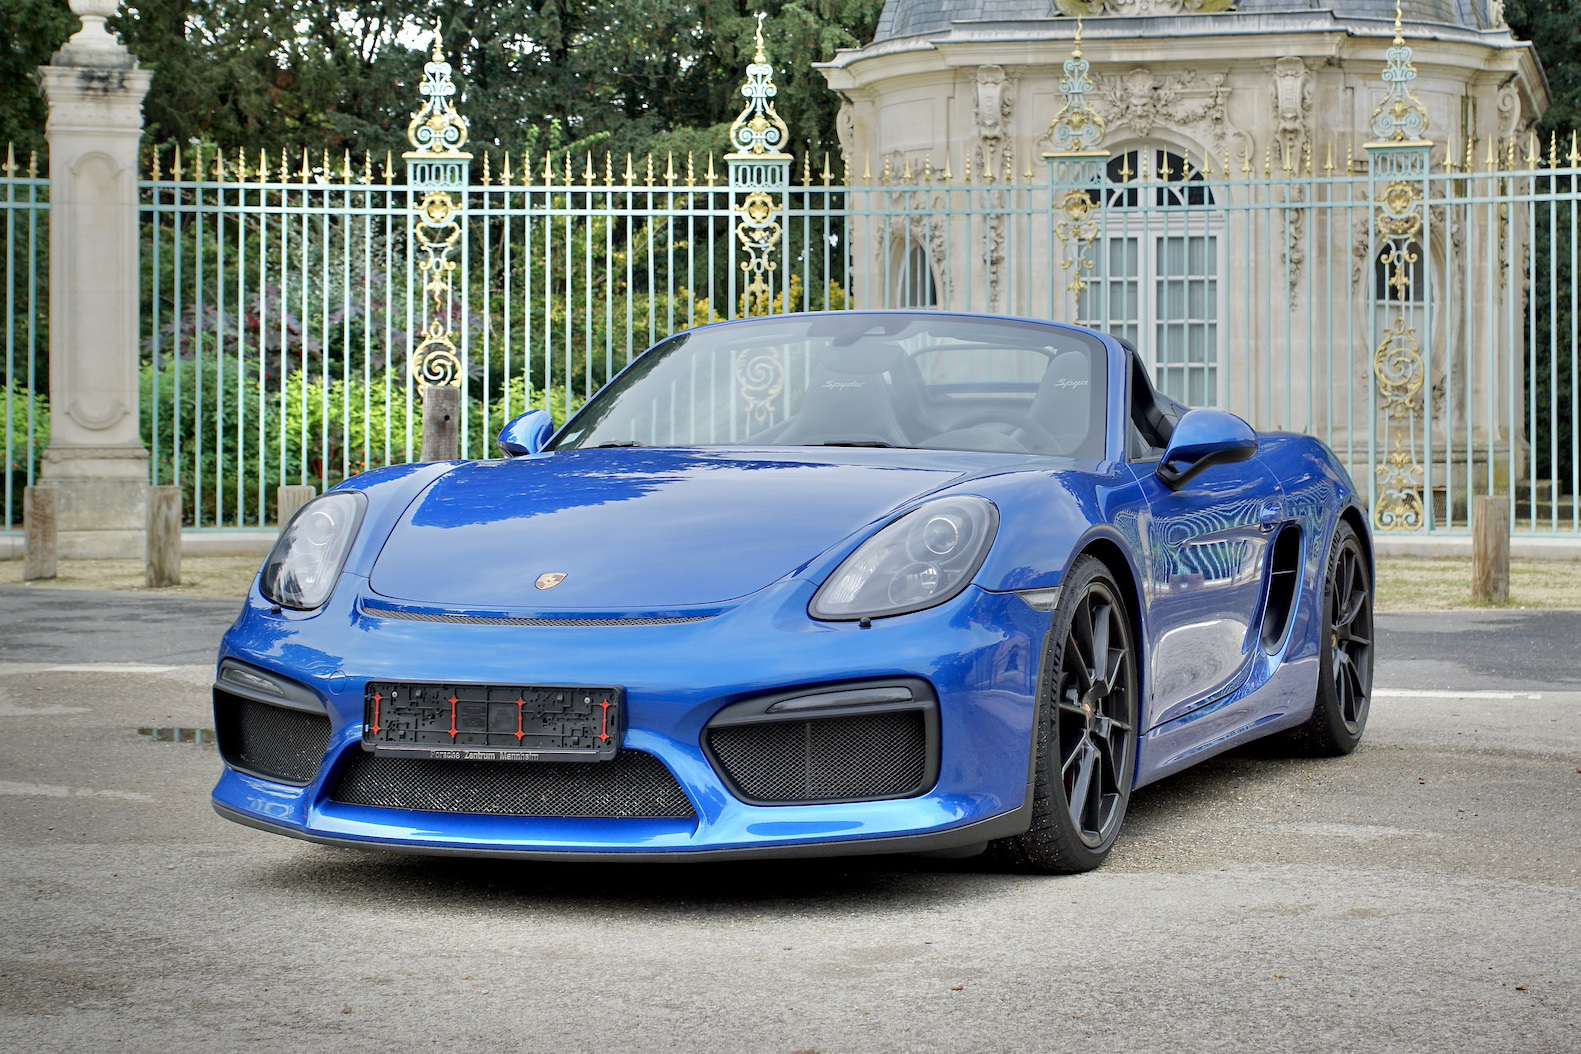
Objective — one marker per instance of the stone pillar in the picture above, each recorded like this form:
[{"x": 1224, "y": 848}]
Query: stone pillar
[{"x": 95, "y": 460}]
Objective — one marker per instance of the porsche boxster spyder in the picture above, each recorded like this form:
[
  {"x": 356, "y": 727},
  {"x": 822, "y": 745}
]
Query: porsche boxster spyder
[{"x": 855, "y": 582}]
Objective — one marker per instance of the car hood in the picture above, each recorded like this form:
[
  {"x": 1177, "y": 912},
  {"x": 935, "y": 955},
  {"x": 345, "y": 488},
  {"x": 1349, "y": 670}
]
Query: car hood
[{"x": 643, "y": 529}]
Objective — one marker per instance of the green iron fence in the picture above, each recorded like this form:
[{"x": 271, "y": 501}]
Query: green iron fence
[
  {"x": 1421, "y": 320},
  {"x": 24, "y": 301}
]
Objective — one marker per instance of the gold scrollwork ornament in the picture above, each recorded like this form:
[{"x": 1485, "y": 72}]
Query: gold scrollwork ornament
[
  {"x": 1398, "y": 366},
  {"x": 760, "y": 378}
]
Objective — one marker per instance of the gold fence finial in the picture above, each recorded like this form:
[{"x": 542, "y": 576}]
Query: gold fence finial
[
  {"x": 1076, "y": 127},
  {"x": 1400, "y": 117},
  {"x": 437, "y": 128},
  {"x": 758, "y": 132}
]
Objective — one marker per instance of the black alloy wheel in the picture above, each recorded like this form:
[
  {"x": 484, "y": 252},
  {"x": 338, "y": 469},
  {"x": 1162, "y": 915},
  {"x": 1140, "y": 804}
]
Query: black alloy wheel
[
  {"x": 1086, "y": 734},
  {"x": 1345, "y": 674}
]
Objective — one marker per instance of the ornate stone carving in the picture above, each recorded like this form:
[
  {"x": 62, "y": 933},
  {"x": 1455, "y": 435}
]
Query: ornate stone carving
[
  {"x": 1292, "y": 107},
  {"x": 1496, "y": 18},
  {"x": 1076, "y": 8},
  {"x": 845, "y": 128},
  {"x": 1511, "y": 112},
  {"x": 1141, "y": 100},
  {"x": 994, "y": 103}
]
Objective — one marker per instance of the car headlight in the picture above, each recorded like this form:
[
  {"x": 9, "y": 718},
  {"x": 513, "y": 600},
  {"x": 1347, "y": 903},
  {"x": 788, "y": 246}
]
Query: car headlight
[
  {"x": 921, "y": 559},
  {"x": 303, "y": 565}
]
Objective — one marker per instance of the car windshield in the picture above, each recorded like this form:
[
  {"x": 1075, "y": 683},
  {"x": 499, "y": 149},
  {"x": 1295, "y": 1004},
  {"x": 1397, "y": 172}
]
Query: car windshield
[{"x": 924, "y": 380}]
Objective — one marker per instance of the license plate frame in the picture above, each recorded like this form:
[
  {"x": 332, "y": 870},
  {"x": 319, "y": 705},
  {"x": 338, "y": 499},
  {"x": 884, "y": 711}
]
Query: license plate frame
[{"x": 492, "y": 722}]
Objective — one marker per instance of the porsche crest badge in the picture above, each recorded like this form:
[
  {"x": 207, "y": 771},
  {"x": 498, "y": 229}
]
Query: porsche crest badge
[{"x": 550, "y": 579}]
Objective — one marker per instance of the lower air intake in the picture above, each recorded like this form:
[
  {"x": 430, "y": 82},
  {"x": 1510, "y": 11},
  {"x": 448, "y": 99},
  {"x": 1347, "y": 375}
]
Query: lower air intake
[
  {"x": 270, "y": 741},
  {"x": 635, "y": 785},
  {"x": 859, "y": 758}
]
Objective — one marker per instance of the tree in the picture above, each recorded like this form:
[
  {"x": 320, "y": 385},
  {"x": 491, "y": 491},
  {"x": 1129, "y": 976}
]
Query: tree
[
  {"x": 35, "y": 29},
  {"x": 643, "y": 74}
]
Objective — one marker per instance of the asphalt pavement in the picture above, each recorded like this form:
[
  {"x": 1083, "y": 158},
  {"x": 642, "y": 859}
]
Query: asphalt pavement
[{"x": 1421, "y": 894}]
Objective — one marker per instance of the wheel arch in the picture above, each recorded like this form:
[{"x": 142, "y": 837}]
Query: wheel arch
[
  {"x": 1114, "y": 556},
  {"x": 1353, "y": 515}
]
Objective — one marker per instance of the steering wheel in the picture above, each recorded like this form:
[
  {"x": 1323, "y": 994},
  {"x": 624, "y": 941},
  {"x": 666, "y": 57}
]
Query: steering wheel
[{"x": 1043, "y": 441}]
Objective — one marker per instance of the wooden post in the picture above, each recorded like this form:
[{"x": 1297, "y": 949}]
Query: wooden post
[
  {"x": 441, "y": 422},
  {"x": 289, "y": 499},
  {"x": 162, "y": 567},
  {"x": 1490, "y": 549},
  {"x": 38, "y": 527}
]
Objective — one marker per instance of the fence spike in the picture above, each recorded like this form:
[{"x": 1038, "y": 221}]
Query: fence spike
[
  {"x": 649, "y": 177},
  {"x": 846, "y": 162},
  {"x": 389, "y": 168},
  {"x": 488, "y": 176},
  {"x": 568, "y": 176},
  {"x": 867, "y": 168},
  {"x": 1533, "y": 158},
  {"x": 1553, "y": 149},
  {"x": 669, "y": 168},
  {"x": 631, "y": 171},
  {"x": 345, "y": 165},
  {"x": 907, "y": 174},
  {"x": 263, "y": 165},
  {"x": 883, "y": 180},
  {"x": 1575, "y": 157},
  {"x": 10, "y": 160},
  {"x": 1126, "y": 171},
  {"x": 967, "y": 157},
  {"x": 1449, "y": 155},
  {"x": 303, "y": 174},
  {"x": 241, "y": 165},
  {"x": 326, "y": 170},
  {"x": 1010, "y": 168},
  {"x": 367, "y": 167},
  {"x": 548, "y": 171},
  {"x": 1306, "y": 150},
  {"x": 927, "y": 169},
  {"x": 587, "y": 173},
  {"x": 806, "y": 165},
  {"x": 710, "y": 176},
  {"x": 691, "y": 174}
]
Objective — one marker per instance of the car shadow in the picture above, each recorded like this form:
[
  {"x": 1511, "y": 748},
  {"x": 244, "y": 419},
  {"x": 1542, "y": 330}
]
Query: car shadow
[{"x": 1165, "y": 811}]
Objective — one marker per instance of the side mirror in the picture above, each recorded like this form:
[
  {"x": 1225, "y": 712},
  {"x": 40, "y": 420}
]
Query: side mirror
[
  {"x": 1204, "y": 438},
  {"x": 527, "y": 433}
]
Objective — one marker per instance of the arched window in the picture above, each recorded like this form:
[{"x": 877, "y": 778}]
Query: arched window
[
  {"x": 914, "y": 279},
  {"x": 1156, "y": 279}
]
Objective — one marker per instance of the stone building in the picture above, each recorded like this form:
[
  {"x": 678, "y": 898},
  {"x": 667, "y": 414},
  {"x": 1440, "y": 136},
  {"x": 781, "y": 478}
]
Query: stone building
[{"x": 1291, "y": 145}]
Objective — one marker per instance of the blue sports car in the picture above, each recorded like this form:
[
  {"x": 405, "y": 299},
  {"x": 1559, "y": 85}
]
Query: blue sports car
[{"x": 856, "y": 582}]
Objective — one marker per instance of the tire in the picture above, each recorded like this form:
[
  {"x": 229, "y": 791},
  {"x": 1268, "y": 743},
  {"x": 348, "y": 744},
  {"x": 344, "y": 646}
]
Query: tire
[
  {"x": 1085, "y": 730},
  {"x": 1344, "y": 693}
]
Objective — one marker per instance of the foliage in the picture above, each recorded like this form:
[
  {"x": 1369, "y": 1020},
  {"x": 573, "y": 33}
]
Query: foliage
[
  {"x": 1554, "y": 28},
  {"x": 230, "y": 440},
  {"x": 34, "y": 29},
  {"x": 341, "y": 75},
  {"x": 19, "y": 451}
]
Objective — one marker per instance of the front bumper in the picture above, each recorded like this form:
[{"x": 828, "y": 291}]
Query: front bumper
[{"x": 979, "y": 652}]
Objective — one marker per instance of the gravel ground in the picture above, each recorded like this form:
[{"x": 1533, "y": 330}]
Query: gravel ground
[{"x": 1421, "y": 894}]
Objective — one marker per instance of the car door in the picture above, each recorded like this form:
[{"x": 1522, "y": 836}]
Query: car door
[{"x": 1204, "y": 547}]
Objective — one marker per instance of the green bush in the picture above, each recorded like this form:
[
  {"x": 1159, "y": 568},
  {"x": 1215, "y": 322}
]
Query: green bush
[{"x": 21, "y": 451}]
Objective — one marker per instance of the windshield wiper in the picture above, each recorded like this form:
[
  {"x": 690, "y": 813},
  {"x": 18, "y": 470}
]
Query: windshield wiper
[{"x": 618, "y": 442}]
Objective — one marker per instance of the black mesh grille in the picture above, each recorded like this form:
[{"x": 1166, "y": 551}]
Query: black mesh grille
[
  {"x": 834, "y": 759},
  {"x": 269, "y": 740},
  {"x": 633, "y": 785}
]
